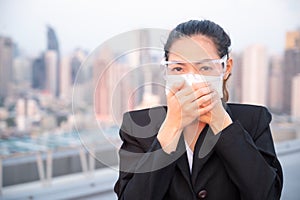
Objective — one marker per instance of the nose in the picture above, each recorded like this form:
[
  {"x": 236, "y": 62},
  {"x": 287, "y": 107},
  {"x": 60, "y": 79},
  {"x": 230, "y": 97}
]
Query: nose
[{"x": 192, "y": 69}]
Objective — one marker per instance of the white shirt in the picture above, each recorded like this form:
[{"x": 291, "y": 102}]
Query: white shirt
[{"x": 190, "y": 155}]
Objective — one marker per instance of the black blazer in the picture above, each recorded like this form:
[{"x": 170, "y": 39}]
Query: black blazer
[{"x": 238, "y": 163}]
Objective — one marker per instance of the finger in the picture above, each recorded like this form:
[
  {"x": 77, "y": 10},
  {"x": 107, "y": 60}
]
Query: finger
[
  {"x": 185, "y": 91},
  {"x": 192, "y": 109},
  {"x": 199, "y": 93},
  {"x": 208, "y": 108},
  {"x": 184, "y": 100},
  {"x": 207, "y": 99}
]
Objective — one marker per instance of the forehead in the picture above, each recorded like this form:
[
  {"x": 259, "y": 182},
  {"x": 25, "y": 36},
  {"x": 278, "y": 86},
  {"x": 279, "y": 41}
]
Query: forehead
[{"x": 193, "y": 48}]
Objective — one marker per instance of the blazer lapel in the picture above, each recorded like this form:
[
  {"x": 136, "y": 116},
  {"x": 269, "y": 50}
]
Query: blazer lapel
[
  {"x": 182, "y": 162},
  {"x": 201, "y": 154},
  {"x": 204, "y": 148}
]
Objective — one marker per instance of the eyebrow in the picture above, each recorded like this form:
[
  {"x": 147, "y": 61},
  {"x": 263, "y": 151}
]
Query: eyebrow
[
  {"x": 193, "y": 61},
  {"x": 177, "y": 62}
]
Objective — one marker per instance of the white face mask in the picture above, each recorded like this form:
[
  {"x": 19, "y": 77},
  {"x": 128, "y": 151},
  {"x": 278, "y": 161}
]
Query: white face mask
[{"x": 215, "y": 81}]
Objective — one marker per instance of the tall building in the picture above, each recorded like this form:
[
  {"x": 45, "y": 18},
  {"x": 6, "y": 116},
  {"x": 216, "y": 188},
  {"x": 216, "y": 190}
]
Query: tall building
[
  {"x": 295, "y": 111},
  {"x": 275, "y": 97},
  {"x": 112, "y": 87},
  {"x": 101, "y": 82},
  {"x": 6, "y": 63},
  {"x": 292, "y": 40},
  {"x": 150, "y": 78},
  {"x": 291, "y": 66},
  {"x": 52, "y": 41},
  {"x": 120, "y": 91},
  {"x": 65, "y": 79},
  {"x": 39, "y": 73},
  {"x": 52, "y": 80},
  {"x": 142, "y": 73},
  {"x": 255, "y": 75},
  {"x": 22, "y": 71},
  {"x": 77, "y": 59},
  {"x": 234, "y": 85},
  {"x": 21, "y": 112},
  {"x": 26, "y": 112},
  {"x": 53, "y": 46}
]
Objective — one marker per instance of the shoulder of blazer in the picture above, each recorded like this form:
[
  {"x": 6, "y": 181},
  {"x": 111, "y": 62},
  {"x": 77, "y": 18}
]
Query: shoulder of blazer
[
  {"x": 239, "y": 110},
  {"x": 252, "y": 117},
  {"x": 147, "y": 116},
  {"x": 141, "y": 126}
]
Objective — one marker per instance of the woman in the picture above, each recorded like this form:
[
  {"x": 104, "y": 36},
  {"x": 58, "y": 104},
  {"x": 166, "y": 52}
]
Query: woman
[{"x": 198, "y": 147}]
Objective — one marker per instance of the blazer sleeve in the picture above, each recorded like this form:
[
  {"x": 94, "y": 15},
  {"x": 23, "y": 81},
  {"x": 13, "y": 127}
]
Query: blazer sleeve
[
  {"x": 251, "y": 162},
  {"x": 142, "y": 174}
]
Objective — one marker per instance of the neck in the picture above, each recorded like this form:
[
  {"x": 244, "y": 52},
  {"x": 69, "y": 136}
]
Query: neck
[{"x": 192, "y": 132}]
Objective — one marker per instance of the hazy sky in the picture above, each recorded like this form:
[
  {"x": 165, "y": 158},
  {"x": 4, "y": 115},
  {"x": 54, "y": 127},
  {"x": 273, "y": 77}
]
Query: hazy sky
[{"x": 88, "y": 23}]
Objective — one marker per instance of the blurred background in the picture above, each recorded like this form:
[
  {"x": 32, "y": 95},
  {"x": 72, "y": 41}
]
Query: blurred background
[{"x": 67, "y": 75}]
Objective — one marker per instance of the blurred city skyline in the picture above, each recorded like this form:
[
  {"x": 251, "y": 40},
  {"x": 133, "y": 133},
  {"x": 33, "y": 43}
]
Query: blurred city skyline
[
  {"x": 110, "y": 81},
  {"x": 87, "y": 24},
  {"x": 91, "y": 87},
  {"x": 65, "y": 82}
]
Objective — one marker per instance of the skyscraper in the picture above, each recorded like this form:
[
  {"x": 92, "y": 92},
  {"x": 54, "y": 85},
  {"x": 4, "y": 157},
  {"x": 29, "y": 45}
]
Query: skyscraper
[
  {"x": 291, "y": 66},
  {"x": 52, "y": 78},
  {"x": 101, "y": 83},
  {"x": 150, "y": 76},
  {"x": 295, "y": 111},
  {"x": 52, "y": 39},
  {"x": 292, "y": 40},
  {"x": 39, "y": 73},
  {"x": 6, "y": 62},
  {"x": 22, "y": 71},
  {"x": 53, "y": 46},
  {"x": 255, "y": 75},
  {"x": 77, "y": 58},
  {"x": 275, "y": 97},
  {"x": 21, "y": 112},
  {"x": 65, "y": 79},
  {"x": 235, "y": 81}
]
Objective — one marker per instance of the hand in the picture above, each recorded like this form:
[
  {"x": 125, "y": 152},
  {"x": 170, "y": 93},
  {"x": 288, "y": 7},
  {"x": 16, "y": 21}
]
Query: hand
[
  {"x": 183, "y": 109},
  {"x": 183, "y": 103},
  {"x": 216, "y": 116}
]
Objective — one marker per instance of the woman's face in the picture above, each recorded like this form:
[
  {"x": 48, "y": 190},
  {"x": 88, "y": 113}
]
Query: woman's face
[{"x": 186, "y": 50}]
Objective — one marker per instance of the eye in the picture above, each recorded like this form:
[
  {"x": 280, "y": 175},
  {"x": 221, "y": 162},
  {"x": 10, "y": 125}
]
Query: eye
[
  {"x": 177, "y": 69},
  {"x": 205, "y": 68}
]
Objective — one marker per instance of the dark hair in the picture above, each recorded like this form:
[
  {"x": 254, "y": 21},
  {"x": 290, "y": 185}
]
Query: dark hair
[
  {"x": 206, "y": 28},
  {"x": 203, "y": 27}
]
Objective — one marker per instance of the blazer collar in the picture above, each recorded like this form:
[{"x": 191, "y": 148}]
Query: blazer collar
[
  {"x": 227, "y": 108},
  {"x": 182, "y": 162},
  {"x": 204, "y": 148}
]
